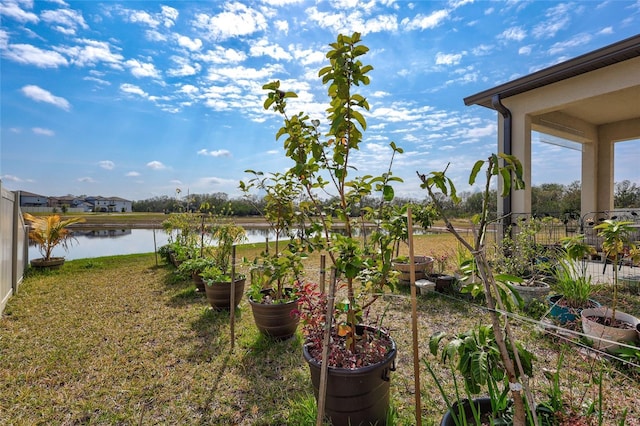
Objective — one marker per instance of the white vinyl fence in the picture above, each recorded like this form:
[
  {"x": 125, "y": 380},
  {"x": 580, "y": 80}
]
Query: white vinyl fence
[{"x": 14, "y": 245}]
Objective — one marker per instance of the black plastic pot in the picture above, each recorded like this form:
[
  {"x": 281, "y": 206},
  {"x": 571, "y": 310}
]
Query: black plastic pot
[
  {"x": 275, "y": 320},
  {"x": 356, "y": 396},
  {"x": 482, "y": 404}
]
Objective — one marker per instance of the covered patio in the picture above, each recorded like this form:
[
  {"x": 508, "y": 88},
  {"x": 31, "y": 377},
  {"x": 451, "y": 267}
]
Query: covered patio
[{"x": 593, "y": 99}]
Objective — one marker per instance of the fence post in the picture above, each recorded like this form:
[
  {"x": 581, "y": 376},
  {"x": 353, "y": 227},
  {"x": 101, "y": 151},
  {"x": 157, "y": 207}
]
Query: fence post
[{"x": 14, "y": 242}]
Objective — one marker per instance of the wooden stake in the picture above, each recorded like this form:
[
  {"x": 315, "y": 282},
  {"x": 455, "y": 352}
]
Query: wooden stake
[
  {"x": 324, "y": 366},
  {"x": 414, "y": 320},
  {"x": 232, "y": 308},
  {"x": 155, "y": 246}
]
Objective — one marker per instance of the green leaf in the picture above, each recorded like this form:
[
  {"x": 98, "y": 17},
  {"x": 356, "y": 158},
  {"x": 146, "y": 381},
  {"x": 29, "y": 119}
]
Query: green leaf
[
  {"x": 388, "y": 193},
  {"x": 434, "y": 342},
  {"x": 474, "y": 172}
]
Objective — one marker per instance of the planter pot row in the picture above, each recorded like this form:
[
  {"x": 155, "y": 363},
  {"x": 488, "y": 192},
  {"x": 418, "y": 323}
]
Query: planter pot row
[{"x": 354, "y": 396}]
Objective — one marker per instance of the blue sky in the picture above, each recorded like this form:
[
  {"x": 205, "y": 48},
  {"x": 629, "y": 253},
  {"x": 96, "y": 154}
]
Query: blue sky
[{"x": 136, "y": 99}]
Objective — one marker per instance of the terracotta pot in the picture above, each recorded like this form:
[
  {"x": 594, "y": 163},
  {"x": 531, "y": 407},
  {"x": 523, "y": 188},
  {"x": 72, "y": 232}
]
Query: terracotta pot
[
  {"x": 275, "y": 320},
  {"x": 423, "y": 265},
  {"x": 357, "y": 396},
  {"x": 219, "y": 294},
  {"x": 597, "y": 331},
  {"x": 199, "y": 282},
  {"x": 52, "y": 263}
]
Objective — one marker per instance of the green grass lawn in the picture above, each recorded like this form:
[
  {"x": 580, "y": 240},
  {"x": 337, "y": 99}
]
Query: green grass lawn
[{"x": 119, "y": 340}]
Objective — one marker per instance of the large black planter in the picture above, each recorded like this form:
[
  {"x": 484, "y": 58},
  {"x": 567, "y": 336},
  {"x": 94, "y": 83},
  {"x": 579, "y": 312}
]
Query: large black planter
[
  {"x": 275, "y": 319},
  {"x": 51, "y": 263},
  {"x": 219, "y": 294},
  {"x": 356, "y": 396},
  {"x": 482, "y": 404}
]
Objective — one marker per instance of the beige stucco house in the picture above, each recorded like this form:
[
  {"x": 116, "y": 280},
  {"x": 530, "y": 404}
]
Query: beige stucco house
[{"x": 593, "y": 99}]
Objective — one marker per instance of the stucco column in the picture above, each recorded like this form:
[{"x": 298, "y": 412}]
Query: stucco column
[
  {"x": 605, "y": 176},
  {"x": 589, "y": 178},
  {"x": 521, "y": 148}
]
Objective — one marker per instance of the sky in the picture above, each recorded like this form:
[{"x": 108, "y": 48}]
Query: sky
[{"x": 138, "y": 99}]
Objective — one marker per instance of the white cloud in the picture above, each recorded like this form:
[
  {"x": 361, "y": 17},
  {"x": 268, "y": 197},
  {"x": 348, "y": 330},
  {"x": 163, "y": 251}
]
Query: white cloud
[
  {"x": 482, "y": 50},
  {"x": 425, "y": 22},
  {"x": 86, "y": 179},
  {"x": 513, "y": 33},
  {"x": 43, "y": 132},
  {"x": 557, "y": 19},
  {"x": 39, "y": 94},
  {"x": 525, "y": 50},
  {"x": 170, "y": 15},
  {"x": 236, "y": 20},
  {"x": 217, "y": 153},
  {"x": 13, "y": 10},
  {"x": 221, "y": 55},
  {"x": 273, "y": 152},
  {"x": 31, "y": 55},
  {"x": 156, "y": 165},
  {"x": 575, "y": 41},
  {"x": 93, "y": 52},
  {"x": 448, "y": 59},
  {"x": 133, "y": 89},
  {"x": 140, "y": 16},
  {"x": 132, "y": 174},
  {"x": 141, "y": 69},
  {"x": 66, "y": 21},
  {"x": 191, "y": 44},
  {"x": 605, "y": 31},
  {"x": 263, "y": 47},
  {"x": 11, "y": 178},
  {"x": 282, "y": 25},
  {"x": 107, "y": 164}
]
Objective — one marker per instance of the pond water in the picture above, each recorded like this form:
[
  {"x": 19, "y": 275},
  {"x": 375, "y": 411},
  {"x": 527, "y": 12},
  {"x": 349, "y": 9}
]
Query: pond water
[{"x": 111, "y": 242}]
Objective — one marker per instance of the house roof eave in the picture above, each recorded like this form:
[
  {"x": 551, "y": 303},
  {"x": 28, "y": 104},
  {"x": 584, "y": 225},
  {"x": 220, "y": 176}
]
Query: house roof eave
[{"x": 600, "y": 58}]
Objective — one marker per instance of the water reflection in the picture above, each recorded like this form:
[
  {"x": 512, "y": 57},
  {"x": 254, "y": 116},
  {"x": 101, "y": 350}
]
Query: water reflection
[{"x": 111, "y": 242}]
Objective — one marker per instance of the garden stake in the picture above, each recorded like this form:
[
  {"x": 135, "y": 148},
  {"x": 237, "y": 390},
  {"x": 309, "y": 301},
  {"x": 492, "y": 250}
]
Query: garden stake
[
  {"x": 324, "y": 367},
  {"x": 414, "y": 320},
  {"x": 155, "y": 247},
  {"x": 233, "y": 296}
]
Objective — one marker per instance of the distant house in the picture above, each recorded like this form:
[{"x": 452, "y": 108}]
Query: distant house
[
  {"x": 68, "y": 201},
  {"x": 29, "y": 199},
  {"x": 109, "y": 204},
  {"x": 98, "y": 203}
]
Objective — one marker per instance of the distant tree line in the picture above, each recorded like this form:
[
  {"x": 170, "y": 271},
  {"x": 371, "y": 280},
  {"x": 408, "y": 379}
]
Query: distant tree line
[{"x": 548, "y": 198}]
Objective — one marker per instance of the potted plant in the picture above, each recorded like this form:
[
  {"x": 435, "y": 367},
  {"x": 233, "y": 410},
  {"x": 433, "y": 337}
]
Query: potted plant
[
  {"x": 218, "y": 277},
  {"x": 475, "y": 356},
  {"x": 276, "y": 276},
  {"x": 606, "y": 325},
  {"x": 573, "y": 285},
  {"x": 193, "y": 268},
  {"x": 508, "y": 169},
  {"x": 520, "y": 256},
  {"x": 356, "y": 357},
  {"x": 185, "y": 236},
  {"x": 48, "y": 232}
]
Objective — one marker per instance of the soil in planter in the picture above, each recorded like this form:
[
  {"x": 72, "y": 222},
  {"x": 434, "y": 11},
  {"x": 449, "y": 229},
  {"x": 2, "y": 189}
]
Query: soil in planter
[{"x": 622, "y": 325}]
